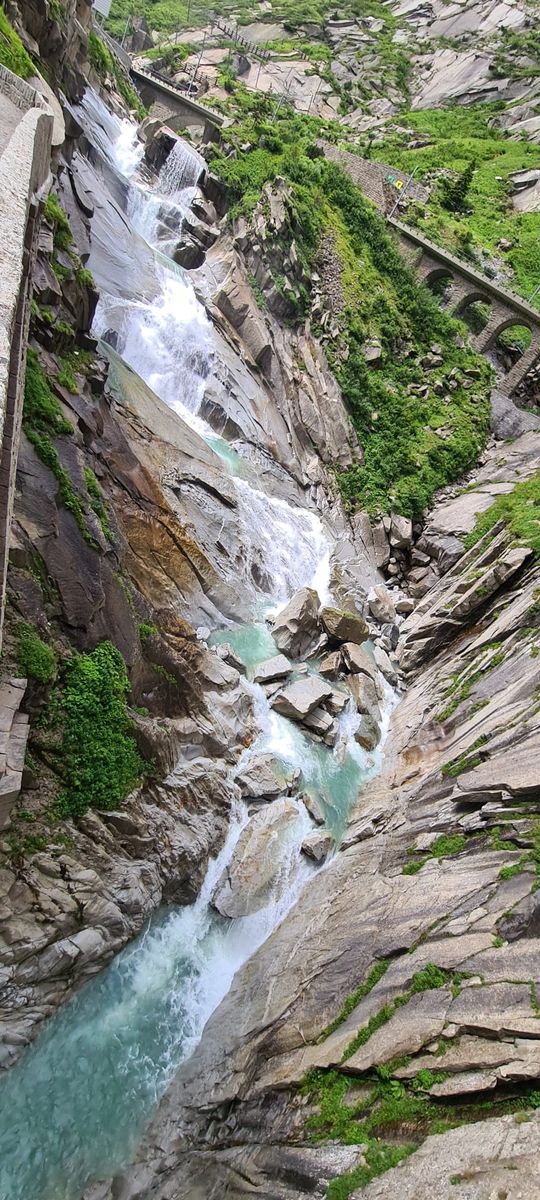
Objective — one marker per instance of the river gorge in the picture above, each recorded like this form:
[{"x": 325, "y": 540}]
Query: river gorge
[{"x": 269, "y": 882}]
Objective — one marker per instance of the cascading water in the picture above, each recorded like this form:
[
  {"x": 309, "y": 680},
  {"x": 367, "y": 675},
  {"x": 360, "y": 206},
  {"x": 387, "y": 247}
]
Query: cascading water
[{"x": 74, "y": 1107}]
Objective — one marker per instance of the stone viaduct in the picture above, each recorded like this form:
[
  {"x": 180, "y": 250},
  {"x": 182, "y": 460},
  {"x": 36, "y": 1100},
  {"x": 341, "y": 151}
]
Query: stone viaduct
[{"x": 433, "y": 264}]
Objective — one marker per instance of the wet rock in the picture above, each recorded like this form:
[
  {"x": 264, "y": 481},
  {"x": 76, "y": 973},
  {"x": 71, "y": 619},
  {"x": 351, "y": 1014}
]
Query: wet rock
[
  {"x": 368, "y": 734},
  {"x": 256, "y": 864},
  {"x": 314, "y": 808},
  {"x": 358, "y": 661},
  {"x": 330, "y": 665},
  {"x": 364, "y": 694},
  {"x": 264, "y": 777},
  {"x": 226, "y": 652},
  {"x": 300, "y": 698},
  {"x": 296, "y": 628},
  {"x": 381, "y": 605},
  {"x": 319, "y": 721},
  {"x": 385, "y": 666},
  {"x": 344, "y": 626},
  {"x": 272, "y": 669},
  {"x": 404, "y": 606},
  {"x": 318, "y": 846}
]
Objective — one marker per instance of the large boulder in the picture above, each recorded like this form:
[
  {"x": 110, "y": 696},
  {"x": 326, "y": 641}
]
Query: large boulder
[
  {"x": 381, "y": 605},
  {"x": 318, "y": 845},
  {"x": 330, "y": 665},
  {"x": 344, "y": 626},
  {"x": 257, "y": 861},
  {"x": 358, "y": 661},
  {"x": 263, "y": 778},
  {"x": 302, "y": 697},
  {"x": 271, "y": 669},
  {"x": 368, "y": 733},
  {"x": 364, "y": 694},
  {"x": 296, "y": 628}
]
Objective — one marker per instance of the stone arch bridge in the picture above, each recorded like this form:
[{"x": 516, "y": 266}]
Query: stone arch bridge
[{"x": 433, "y": 264}]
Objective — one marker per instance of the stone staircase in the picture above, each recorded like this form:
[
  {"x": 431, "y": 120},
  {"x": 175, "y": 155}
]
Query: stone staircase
[{"x": 14, "y": 729}]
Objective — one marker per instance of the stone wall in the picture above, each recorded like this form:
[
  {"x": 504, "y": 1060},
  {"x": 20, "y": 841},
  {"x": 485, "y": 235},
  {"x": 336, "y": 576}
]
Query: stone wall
[
  {"x": 373, "y": 177},
  {"x": 24, "y": 171}
]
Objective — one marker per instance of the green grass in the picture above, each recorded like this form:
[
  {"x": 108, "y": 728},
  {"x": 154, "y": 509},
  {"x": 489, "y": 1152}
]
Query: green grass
[
  {"x": 43, "y": 420},
  {"x": 428, "y": 978},
  {"x": 101, "y": 763},
  {"x": 35, "y": 658},
  {"x": 12, "y": 52},
  {"x": 445, "y": 846},
  {"x": 520, "y": 509},
  {"x": 376, "y": 973},
  {"x": 97, "y": 503}
]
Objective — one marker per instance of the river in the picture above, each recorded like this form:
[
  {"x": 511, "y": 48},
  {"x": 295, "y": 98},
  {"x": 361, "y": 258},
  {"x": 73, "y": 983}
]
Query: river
[{"x": 74, "y": 1107}]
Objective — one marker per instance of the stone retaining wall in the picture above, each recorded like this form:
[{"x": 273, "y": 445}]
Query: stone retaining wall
[{"x": 24, "y": 171}]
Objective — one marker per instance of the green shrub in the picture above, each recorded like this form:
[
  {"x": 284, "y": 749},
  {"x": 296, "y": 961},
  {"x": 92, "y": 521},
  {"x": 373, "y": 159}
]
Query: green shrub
[
  {"x": 55, "y": 215},
  {"x": 146, "y": 631},
  {"x": 43, "y": 419},
  {"x": 12, "y": 52},
  {"x": 42, "y": 411},
  {"x": 101, "y": 761},
  {"x": 35, "y": 657}
]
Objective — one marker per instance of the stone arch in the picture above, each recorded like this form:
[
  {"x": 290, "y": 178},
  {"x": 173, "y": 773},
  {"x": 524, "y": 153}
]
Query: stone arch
[
  {"x": 512, "y": 320},
  {"x": 475, "y": 309},
  {"x": 508, "y": 351},
  {"x": 441, "y": 281}
]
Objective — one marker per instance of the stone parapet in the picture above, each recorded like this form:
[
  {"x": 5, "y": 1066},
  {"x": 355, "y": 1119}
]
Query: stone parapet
[{"x": 24, "y": 171}]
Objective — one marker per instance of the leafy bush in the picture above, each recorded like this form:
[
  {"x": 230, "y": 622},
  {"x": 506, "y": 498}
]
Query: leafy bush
[
  {"x": 35, "y": 657},
  {"x": 12, "y": 52},
  {"x": 101, "y": 761},
  {"x": 414, "y": 441},
  {"x": 455, "y": 192}
]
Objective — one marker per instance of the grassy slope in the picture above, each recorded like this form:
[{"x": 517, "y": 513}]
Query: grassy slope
[
  {"x": 413, "y": 443},
  {"x": 12, "y": 52}
]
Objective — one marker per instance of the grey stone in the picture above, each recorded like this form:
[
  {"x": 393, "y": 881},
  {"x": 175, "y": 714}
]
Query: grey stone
[
  {"x": 344, "y": 626},
  {"x": 256, "y": 864},
  {"x": 296, "y": 628},
  {"x": 381, "y": 605},
  {"x": 300, "y": 698},
  {"x": 263, "y": 777},
  {"x": 272, "y": 669},
  {"x": 318, "y": 846}
]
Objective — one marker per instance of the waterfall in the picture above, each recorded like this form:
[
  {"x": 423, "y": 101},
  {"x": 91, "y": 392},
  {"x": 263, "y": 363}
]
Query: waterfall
[
  {"x": 75, "y": 1106},
  {"x": 181, "y": 170}
]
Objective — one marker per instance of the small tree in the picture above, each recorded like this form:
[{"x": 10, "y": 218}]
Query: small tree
[{"x": 454, "y": 192}]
